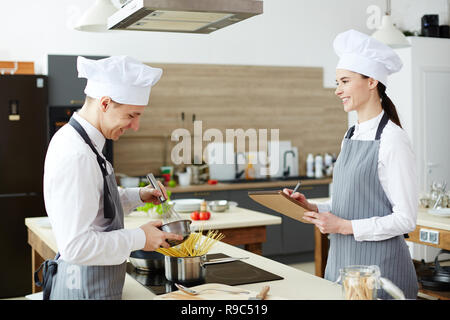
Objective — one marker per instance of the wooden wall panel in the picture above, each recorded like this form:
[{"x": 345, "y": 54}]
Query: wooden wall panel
[{"x": 291, "y": 99}]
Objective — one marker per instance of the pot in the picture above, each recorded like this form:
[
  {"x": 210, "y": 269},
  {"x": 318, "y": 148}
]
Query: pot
[
  {"x": 190, "y": 269},
  {"x": 147, "y": 260}
]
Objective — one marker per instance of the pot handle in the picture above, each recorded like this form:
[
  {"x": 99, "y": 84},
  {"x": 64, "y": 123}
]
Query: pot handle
[
  {"x": 392, "y": 289},
  {"x": 220, "y": 260}
]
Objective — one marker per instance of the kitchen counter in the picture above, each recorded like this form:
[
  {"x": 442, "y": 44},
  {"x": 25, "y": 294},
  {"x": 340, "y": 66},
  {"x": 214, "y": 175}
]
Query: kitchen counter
[
  {"x": 240, "y": 227},
  {"x": 295, "y": 285},
  {"x": 248, "y": 185}
]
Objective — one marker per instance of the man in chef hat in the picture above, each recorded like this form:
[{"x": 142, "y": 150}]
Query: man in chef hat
[{"x": 84, "y": 204}]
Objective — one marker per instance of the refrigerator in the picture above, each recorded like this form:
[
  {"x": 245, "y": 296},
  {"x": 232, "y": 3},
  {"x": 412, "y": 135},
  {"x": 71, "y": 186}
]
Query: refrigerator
[{"x": 23, "y": 145}]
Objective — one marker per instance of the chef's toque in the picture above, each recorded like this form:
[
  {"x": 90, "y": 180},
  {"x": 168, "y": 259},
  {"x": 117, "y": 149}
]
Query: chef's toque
[
  {"x": 363, "y": 54},
  {"x": 122, "y": 78}
]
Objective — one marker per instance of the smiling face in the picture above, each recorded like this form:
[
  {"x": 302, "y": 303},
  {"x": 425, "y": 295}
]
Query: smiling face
[
  {"x": 353, "y": 89},
  {"x": 117, "y": 118}
]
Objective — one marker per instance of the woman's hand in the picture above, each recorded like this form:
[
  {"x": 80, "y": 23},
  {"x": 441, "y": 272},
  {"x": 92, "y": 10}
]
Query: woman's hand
[
  {"x": 149, "y": 194},
  {"x": 300, "y": 197},
  {"x": 328, "y": 222}
]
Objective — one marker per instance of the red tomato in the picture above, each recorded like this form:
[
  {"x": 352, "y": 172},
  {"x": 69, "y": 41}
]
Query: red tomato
[
  {"x": 205, "y": 215},
  {"x": 195, "y": 215}
]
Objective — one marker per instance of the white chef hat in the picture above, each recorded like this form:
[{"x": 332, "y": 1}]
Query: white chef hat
[
  {"x": 122, "y": 78},
  {"x": 363, "y": 54}
]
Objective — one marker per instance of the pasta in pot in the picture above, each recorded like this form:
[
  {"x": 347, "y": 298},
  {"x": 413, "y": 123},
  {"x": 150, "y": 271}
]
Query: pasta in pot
[{"x": 194, "y": 246}]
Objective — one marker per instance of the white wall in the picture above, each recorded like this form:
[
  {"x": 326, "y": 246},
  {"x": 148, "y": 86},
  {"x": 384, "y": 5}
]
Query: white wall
[{"x": 290, "y": 32}]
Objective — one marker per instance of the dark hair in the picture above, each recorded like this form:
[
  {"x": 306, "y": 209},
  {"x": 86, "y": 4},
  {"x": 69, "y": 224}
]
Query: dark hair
[{"x": 386, "y": 103}]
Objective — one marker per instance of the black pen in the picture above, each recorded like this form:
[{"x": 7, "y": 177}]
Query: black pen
[{"x": 296, "y": 188}]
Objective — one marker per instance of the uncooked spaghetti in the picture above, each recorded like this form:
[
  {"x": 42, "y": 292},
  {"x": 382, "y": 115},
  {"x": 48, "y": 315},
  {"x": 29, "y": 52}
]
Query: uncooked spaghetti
[{"x": 194, "y": 246}]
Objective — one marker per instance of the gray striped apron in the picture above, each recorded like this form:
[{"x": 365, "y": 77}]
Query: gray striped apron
[
  {"x": 358, "y": 194},
  {"x": 73, "y": 281}
]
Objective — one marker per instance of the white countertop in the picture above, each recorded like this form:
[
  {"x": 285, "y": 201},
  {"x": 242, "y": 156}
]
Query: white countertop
[
  {"x": 424, "y": 219},
  {"x": 295, "y": 285},
  {"x": 234, "y": 217}
]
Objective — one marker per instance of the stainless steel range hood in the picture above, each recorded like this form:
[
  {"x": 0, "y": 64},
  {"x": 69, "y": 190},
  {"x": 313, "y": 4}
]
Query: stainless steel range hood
[{"x": 190, "y": 16}]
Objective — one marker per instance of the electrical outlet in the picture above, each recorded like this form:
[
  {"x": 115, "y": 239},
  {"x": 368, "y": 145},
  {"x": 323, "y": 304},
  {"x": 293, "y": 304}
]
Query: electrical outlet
[
  {"x": 433, "y": 237},
  {"x": 423, "y": 235},
  {"x": 429, "y": 236}
]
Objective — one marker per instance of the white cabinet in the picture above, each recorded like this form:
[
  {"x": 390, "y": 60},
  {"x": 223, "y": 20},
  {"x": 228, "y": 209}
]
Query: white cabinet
[{"x": 421, "y": 93}]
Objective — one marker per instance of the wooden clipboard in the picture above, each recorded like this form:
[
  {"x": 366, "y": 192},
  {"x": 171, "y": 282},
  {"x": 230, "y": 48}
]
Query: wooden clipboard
[{"x": 280, "y": 202}]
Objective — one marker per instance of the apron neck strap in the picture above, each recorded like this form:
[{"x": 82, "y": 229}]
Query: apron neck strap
[
  {"x": 384, "y": 120},
  {"x": 77, "y": 126}
]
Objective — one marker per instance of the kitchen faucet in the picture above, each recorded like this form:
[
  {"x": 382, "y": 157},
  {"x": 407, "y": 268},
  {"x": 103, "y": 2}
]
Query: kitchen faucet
[
  {"x": 286, "y": 171},
  {"x": 238, "y": 174}
]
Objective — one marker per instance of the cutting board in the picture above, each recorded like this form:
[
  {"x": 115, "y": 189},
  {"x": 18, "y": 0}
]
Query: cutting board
[
  {"x": 280, "y": 202},
  {"x": 214, "y": 295}
]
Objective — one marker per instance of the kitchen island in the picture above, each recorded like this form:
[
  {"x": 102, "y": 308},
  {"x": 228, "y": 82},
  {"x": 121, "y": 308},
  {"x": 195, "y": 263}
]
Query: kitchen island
[
  {"x": 295, "y": 284},
  {"x": 240, "y": 227}
]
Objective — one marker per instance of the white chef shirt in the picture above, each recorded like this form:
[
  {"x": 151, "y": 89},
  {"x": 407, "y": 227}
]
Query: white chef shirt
[
  {"x": 397, "y": 174},
  {"x": 73, "y": 194}
]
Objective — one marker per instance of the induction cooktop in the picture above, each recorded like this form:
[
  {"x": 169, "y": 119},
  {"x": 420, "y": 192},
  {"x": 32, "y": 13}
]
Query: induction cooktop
[{"x": 231, "y": 273}]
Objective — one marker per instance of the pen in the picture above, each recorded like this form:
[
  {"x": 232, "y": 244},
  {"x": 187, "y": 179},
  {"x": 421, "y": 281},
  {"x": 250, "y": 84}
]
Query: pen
[{"x": 296, "y": 188}]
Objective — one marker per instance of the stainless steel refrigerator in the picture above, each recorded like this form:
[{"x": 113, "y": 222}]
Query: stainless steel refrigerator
[{"x": 23, "y": 144}]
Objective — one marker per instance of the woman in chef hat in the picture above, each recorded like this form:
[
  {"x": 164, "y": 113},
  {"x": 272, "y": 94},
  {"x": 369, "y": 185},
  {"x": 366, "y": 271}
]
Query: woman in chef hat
[{"x": 375, "y": 193}]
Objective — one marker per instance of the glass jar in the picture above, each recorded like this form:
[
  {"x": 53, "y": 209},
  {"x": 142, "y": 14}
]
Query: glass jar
[{"x": 362, "y": 283}]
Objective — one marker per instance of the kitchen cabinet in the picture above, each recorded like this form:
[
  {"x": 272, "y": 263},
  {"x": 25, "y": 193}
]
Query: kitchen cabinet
[{"x": 64, "y": 86}]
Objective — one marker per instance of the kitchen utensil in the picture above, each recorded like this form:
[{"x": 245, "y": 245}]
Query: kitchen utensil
[
  {"x": 262, "y": 294},
  {"x": 362, "y": 283},
  {"x": 172, "y": 222},
  {"x": 181, "y": 227},
  {"x": 193, "y": 292},
  {"x": 218, "y": 205},
  {"x": 442, "y": 192},
  {"x": 190, "y": 269},
  {"x": 147, "y": 260}
]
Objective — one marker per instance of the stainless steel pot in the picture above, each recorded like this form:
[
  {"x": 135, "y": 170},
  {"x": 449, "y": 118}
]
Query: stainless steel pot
[
  {"x": 147, "y": 260},
  {"x": 185, "y": 269},
  {"x": 190, "y": 269}
]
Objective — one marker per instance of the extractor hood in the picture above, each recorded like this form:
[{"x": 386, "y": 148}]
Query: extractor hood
[{"x": 190, "y": 16}]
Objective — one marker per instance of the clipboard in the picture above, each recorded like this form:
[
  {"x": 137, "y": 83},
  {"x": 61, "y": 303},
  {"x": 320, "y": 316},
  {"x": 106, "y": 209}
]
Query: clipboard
[{"x": 280, "y": 202}]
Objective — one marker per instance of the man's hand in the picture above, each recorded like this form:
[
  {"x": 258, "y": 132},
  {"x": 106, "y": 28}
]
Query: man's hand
[
  {"x": 149, "y": 194},
  {"x": 156, "y": 238}
]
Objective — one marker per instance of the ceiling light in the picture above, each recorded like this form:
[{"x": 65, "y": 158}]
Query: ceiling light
[
  {"x": 95, "y": 18},
  {"x": 388, "y": 33}
]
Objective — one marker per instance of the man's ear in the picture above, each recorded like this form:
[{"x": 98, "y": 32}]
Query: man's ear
[
  {"x": 372, "y": 83},
  {"x": 105, "y": 103}
]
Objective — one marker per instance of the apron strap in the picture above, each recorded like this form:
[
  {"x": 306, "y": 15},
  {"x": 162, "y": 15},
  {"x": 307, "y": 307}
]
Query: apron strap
[
  {"x": 384, "y": 120},
  {"x": 108, "y": 207},
  {"x": 350, "y": 132}
]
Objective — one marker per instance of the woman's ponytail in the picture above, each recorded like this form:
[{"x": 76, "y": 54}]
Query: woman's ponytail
[{"x": 387, "y": 104}]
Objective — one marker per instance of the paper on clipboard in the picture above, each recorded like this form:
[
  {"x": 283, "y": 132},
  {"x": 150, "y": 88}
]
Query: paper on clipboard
[{"x": 280, "y": 202}]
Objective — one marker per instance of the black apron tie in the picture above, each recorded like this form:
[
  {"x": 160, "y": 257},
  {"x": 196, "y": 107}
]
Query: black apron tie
[
  {"x": 108, "y": 209},
  {"x": 49, "y": 269}
]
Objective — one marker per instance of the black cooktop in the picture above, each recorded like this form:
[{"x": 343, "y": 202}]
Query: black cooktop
[{"x": 231, "y": 273}]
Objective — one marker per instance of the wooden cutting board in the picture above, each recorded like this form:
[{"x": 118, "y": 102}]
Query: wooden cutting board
[
  {"x": 214, "y": 295},
  {"x": 280, "y": 202}
]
